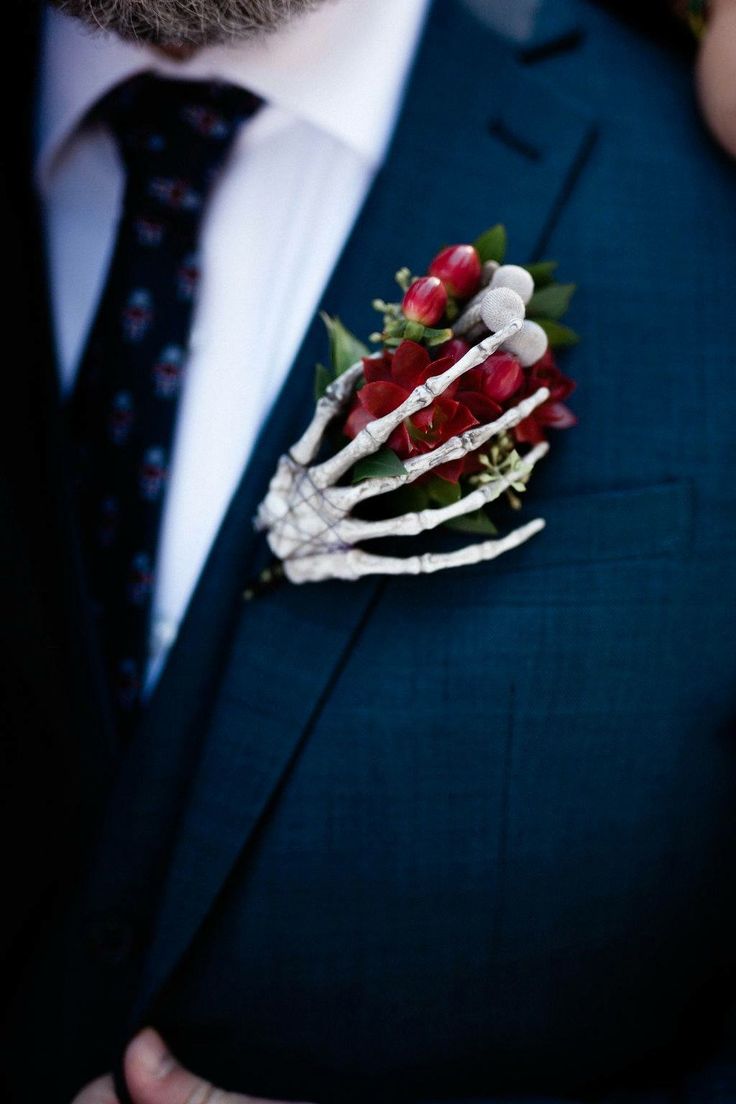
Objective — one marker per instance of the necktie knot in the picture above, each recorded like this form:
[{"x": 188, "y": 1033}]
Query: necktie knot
[{"x": 173, "y": 137}]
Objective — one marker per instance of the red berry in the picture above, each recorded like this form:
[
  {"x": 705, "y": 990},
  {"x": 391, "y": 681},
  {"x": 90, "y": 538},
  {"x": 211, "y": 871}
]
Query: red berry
[
  {"x": 459, "y": 269},
  {"x": 425, "y": 301}
]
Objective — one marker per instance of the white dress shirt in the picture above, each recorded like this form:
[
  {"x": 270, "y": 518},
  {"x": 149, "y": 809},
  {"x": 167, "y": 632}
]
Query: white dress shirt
[{"x": 275, "y": 225}]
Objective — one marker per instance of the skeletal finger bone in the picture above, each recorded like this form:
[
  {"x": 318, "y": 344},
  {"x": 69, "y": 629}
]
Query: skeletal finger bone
[
  {"x": 354, "y": 563},
  {"x": 307, "y": 517},
  {"x": 332, "y": 402},
  {"x": 347, "y": 498},
  {"x": 420, "y": 521},
  {"x": 377, "y": 432}
]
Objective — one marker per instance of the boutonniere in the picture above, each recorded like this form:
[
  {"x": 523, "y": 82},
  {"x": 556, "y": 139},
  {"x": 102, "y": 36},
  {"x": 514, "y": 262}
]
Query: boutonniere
[{"x": 444, "y": 419}]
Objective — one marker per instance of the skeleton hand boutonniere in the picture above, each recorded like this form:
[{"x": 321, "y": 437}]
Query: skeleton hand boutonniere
[{"x": 447, "y": 417}]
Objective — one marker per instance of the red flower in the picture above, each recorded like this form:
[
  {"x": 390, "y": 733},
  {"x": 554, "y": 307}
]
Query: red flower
[
  {"x": 390, "y": 379},
  {"x": 552, "y": 414},
  {"x": 476, "y": 397}
]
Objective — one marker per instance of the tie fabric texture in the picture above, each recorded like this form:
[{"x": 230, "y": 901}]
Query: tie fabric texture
[{"x": 173, "y": 137}]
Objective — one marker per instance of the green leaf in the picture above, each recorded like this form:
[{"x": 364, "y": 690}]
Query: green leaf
[
  {"x": 551, "y": 301},
  {"x": 477, "y": 523},
  {"x": 407, "y": 499},
  {"x": 442, "y": 492},
  {"x": 542, "y": 272},
  {"x": 345, "y": 349},
  {"x": 322, "y": 379},
  {"x": 381, "y": 463},
  {"x": 560, "y": 337},
  {"x": 491, "y": 246}
]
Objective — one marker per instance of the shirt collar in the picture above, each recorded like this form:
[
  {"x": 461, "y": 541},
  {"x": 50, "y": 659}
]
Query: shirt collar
[{"x": 341, "y": 68}]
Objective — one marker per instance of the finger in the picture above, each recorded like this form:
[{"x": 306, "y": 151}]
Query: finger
[
  {"x": 332, "y": 402},
  {"x": 353, "y": 530},
  {"x": 377, "y": 432},
  {"x": 355, "y": 564},
  {"x": 458, "y": 447},
  {"x": 101, "y": 1091},
  {"x": 454, "y": 449},
  {"x": 154, "y": 1076}
]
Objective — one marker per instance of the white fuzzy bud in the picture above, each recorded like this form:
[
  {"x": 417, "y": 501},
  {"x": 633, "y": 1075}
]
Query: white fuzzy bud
[
  {"x": 529, "y": 344},
  {"x": 516, "y": 278},
  {"x": 499, "y": 307}
]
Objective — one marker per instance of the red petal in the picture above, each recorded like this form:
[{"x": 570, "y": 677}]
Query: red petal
[
  {"x": 472, "y": 463},
  {"x": 377, "y": 368},
  {"x": 484, "y": 409},
  {"x": 556, "y": 415},
  {"x": 560, "y": 387},
  {"x": 545, "y": 373},
  {"x": 423, "y": 420},
  {"x": 409, "y": 364},
  {"x": 460, "y": 420},
  {"x": 546, "y": 361},
  {"x": 451, "y": 471},
  {"x": 455, "y": 349},
  {"x": 381, "y": 398},
  {"x": 409, "y": 370},
  {"x": 401, "y": 442},
  {"x": 439, "y": 366},
  {"x": 358, "y": 419},
  {"x": 443, "y": 419},
  {"x": 529, "y": 432},
  {"x": 472, "y": 380}
]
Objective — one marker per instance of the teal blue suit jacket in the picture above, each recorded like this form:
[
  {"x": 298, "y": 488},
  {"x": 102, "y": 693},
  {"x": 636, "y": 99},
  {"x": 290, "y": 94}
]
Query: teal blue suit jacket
[{"x": 469, "y": 836}]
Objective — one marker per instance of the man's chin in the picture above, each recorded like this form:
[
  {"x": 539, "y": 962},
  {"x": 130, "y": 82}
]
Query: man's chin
[{"x": 181, "y": 26}]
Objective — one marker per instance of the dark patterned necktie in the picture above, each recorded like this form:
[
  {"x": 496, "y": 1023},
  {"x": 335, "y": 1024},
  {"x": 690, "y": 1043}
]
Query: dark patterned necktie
[{"x": 173, "y": 137}]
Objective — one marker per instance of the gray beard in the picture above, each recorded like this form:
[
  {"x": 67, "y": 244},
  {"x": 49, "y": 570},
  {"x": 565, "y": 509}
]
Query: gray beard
[{"x": 192, "y": 22}]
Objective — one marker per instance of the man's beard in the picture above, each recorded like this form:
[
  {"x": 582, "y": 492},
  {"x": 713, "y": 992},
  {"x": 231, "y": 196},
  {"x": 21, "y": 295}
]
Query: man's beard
[{"x": 195, "y": 22}]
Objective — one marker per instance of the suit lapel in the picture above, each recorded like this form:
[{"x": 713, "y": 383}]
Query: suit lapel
[
  {"x": 77, "y": 707},
  {"x": 492, "y": 145},
  {"x": 554, "y": 28}
]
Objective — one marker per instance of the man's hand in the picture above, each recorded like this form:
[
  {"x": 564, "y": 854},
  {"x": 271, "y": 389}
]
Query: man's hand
[{"x": 154, "y": 1076}]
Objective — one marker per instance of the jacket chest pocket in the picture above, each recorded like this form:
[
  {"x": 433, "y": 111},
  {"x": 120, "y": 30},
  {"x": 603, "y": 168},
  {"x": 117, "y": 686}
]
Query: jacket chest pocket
[{"x": 635, "y": 523}]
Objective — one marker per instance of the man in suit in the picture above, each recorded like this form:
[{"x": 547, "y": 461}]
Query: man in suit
[{"x": 462, "y": 837}]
